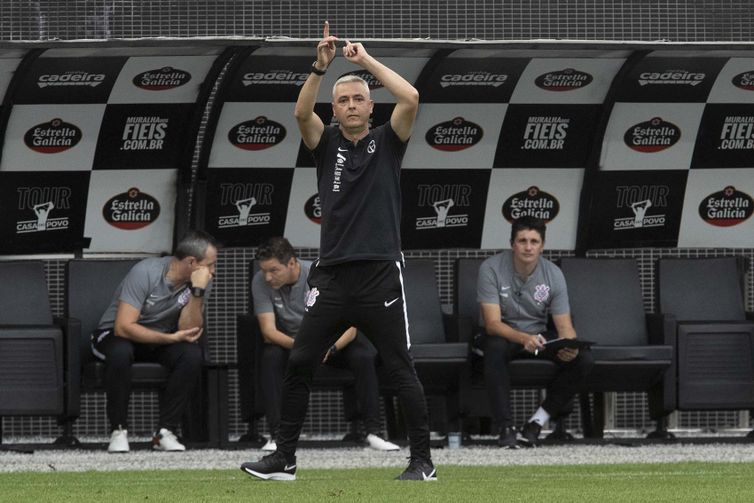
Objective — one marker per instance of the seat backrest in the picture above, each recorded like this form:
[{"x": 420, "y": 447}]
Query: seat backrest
[
  {"x": 464, "y": 288},
  {"x": 90, "y": 285},
  {"x": 606, "y": 301},
  {"x": 425, "y": 322},
  {"x": 24, "y": 299},
  {"x": 701, "y": 289}
]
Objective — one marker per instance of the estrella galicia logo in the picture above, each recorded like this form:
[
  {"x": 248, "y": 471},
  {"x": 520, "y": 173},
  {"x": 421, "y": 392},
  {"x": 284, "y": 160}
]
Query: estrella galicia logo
[
  {"x": 563, "y": 80},
  {"x": 161, "y": 79},
  {"x": 131, "y": 210},
  {"x": 454, "y": 135},
  {"x": 52, "y": 137},
  {"x": 257, "y": 134},
  {"x": 531, "y": 202},
  {"x": 726, "y": 207},
  {"x": 372, "y": 81},
  {"x": 652, "y": 136},
  {"x": 313, "y": 209},
  {"x": 744, "y": 80}
]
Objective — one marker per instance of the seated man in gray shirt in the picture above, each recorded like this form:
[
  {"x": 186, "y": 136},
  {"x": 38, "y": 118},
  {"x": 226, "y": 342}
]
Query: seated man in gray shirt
[
  {"x": 517, "y": 290},
  {"x": 157, "y": 314},
  {"x": 280, "y": 292}
]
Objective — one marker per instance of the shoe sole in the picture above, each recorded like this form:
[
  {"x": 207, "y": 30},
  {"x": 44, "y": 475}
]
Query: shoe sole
[
  {"x": 385, "y": 449},
  {"x": 270, "y": 476},
  {"x": 162, "y": 449},
  {"x": 432, "y": 478},
  {"x": 526, "y": 442}
]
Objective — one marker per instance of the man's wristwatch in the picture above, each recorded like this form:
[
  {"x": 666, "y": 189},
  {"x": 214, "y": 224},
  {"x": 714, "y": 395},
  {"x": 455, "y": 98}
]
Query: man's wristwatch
[
  {"x": 197, "y": 292},
  {"x": 317, "y": 71},
  {"x": 333, "y": 350}
]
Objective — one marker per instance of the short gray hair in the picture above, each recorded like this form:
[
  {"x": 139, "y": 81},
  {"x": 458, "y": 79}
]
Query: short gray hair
[
  {"x": 194, "y": 244},
  {"x": 349, "y": 78}
]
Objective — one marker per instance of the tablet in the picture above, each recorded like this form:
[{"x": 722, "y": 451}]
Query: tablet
[{"x": 558, "y": 344}]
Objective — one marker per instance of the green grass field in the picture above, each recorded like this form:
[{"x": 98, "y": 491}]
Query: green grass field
[{"x": 681, "y": 482}]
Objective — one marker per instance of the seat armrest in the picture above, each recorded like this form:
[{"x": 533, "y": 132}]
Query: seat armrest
[
  {"x": 71, "y": 365},
  {"x": 248, "y": 353},
  {"x": 661, "y": 329},
  {"x": 203, "y": 341},
  {"x": 663, "y": 396},
  {"x": 458, "y": 327},
  {"x": 248, "y": 339}
]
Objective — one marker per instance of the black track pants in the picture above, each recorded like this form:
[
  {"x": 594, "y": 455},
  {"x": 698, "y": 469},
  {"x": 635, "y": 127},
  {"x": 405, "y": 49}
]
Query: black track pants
[{"x": 368, "y": 295}]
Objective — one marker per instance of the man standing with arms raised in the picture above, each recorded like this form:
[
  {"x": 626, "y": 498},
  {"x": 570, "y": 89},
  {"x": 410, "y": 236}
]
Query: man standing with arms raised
[{"x": 358, "y": 279}]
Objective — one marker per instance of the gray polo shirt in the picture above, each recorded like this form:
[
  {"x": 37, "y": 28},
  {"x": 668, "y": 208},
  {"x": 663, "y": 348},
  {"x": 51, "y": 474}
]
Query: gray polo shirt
[
  {"x": 524, "y": 305},
  {"x": 146, "y": 288},
  {"x": 287, "y": 303}
]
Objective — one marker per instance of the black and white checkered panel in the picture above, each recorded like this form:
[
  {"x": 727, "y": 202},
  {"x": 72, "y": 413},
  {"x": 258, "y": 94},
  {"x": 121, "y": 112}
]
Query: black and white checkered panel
[
  {"x": 507, "y": 134},
  {"x": 256, "y": 141},
  {"x": 676, "y": 159},
  {"x": 93, "y": 146},
  {"x": 499, "y": 134}
]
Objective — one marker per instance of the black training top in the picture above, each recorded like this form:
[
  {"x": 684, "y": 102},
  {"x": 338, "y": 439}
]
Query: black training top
[{"x": 360, "y": 195}]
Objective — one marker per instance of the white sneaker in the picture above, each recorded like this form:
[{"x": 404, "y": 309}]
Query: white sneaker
[
  {"x": 165, "y": 440},
  {"x": 118, "y": 441},
  {"x": 270, "y": 445},
  {"x": 379, "y": 444}
]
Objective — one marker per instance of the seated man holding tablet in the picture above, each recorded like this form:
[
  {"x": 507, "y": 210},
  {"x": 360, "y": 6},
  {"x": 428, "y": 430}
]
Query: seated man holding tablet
[{"x": 517, "y": 290}]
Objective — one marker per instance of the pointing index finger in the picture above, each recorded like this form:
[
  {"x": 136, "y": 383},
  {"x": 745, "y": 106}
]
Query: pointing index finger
[{"x": 326, "y": 32}]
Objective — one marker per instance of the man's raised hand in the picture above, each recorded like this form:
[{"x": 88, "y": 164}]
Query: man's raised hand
[
  {"x": 326, "y": 48},
  {"x": 354, "y": 53},
  {"x": 201, "y": 276}
]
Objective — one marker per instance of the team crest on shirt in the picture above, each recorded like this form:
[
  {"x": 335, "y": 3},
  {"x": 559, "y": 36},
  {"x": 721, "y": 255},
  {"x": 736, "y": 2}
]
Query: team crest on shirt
[
  {"x": 541, "y": 293},
  {"x": 184, "y": 297},
  {"x": 371, "y": 147},
  {"x": 311, "y": 297}
]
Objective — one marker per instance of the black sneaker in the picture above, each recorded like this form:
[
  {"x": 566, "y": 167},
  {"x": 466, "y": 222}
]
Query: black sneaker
[
  {"x": 529, "y": 434},
  {"x": 274, "y": 466},
  {"x": 508, "y": 438},
  {"x": 419, "y": 469}
]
